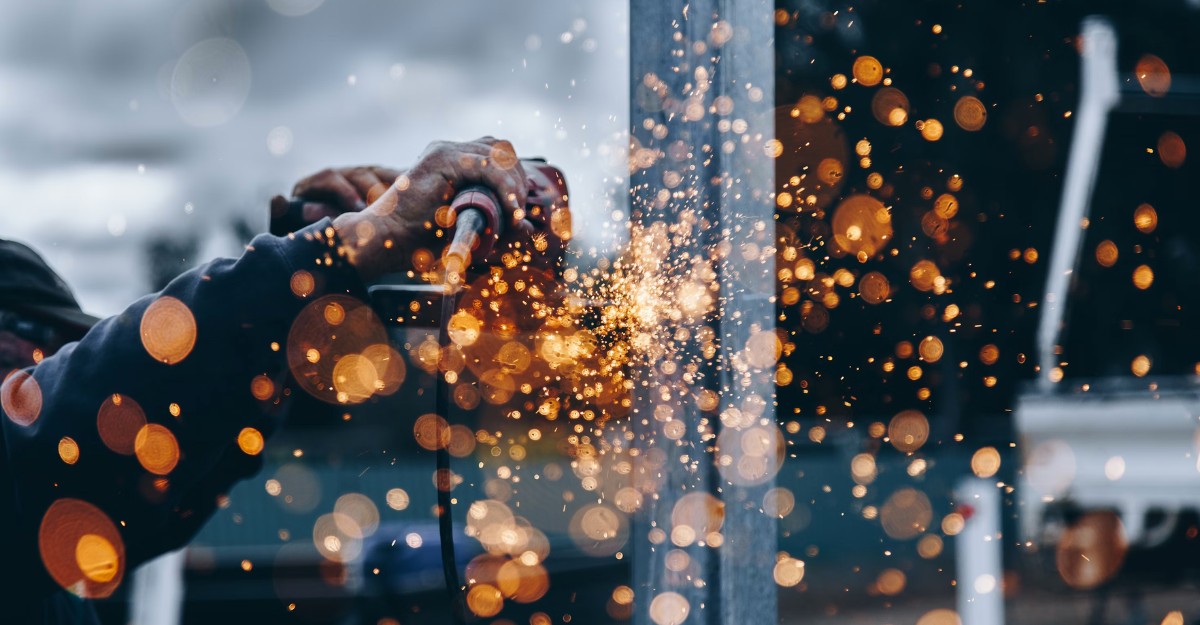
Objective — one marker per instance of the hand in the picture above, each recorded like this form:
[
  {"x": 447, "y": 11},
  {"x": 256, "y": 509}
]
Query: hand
[
  {"x": 381, "y": 237},
  {"x": 540, "y": 238},
  {"x": 329, "y": 193}
]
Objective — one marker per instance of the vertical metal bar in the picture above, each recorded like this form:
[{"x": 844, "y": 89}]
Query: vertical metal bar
[
  {"x": 747, "y": 76},
  {"x": 1099, "y": 94},
  {"x": 980, "y": 594},
  {"x": 157, "y": 593},
  {"x": 701, "y": 131}
]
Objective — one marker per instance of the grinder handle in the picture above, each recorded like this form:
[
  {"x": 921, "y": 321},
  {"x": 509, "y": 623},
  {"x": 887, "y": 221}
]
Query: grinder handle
[{"x": 478, "y": 224}]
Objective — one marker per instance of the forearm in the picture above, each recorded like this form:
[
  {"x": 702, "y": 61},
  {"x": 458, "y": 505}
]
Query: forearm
[{"x": 188, "y": 359}]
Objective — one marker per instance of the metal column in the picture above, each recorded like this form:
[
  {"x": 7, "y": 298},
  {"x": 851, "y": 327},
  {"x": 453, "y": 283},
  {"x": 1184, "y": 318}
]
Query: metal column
[{"x": 701, "y": 132}]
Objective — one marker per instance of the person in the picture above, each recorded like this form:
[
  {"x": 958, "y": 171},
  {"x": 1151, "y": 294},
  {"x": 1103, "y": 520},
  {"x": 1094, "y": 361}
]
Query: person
[{"x": 119, "y": 436}]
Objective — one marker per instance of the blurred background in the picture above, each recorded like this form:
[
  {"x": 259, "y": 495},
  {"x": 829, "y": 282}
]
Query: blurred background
[
  {"x": 140, "y": 138},
  {"x": 1011, "y": 145},
  {"x": 940, "y": 455}
]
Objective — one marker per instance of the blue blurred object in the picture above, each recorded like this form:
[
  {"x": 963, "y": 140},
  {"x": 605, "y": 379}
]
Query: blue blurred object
[{"x": 403, "y": 559}]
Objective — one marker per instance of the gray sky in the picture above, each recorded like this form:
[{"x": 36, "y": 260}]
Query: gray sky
[{"x": 126, "y": 119}]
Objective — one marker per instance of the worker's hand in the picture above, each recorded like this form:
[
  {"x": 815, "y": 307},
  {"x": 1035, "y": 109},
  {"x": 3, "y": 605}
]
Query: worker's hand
[
  {"x": 329, "y": 193},
  {"x": 540, "y": 238},
  {"x": 383, "y": 236}
]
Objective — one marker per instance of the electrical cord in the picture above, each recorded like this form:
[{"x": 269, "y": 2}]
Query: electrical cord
[
  {"x": 444, "y": 478},
  {"x": 477, "y": 227}
]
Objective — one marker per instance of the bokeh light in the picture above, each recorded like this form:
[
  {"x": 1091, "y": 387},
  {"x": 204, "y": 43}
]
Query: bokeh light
[
  {"x": 337, "y": 351},
  {"x": 1172, "y": 151},
  {"x": 168, "y": 330},
  {"x": 119, "y": 421},
  {"x": 81, "y": 548},
  {"x": 868, "y": 71},
  {"x": 212, "y": 79},
  {"x": 21, "y": 398},
  {"x": 68, "y": 450},
  {"x": 156, "y": 449},
  {"x": 862, "y": 226},
  {"x": 908, "y": 431},
  {"x": 788, "y": 571},
  {"x": 969, "y": 113},
  {"x": 906, "y": 514},
  {"x": 1153, "y": 75},
  {"x": 985, "y": 462},
  {"x": 669, "y": 608},
  {"x": 250, "y": 441},
  {"x": 940, "y": 616},
  {"x": 1092, "y": 550}
]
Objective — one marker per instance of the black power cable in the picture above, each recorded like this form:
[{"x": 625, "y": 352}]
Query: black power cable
[
  {"x": 477, "y": 221},
  {"x": 473, "y": 208},
  {"x": 443, "y": 480}
]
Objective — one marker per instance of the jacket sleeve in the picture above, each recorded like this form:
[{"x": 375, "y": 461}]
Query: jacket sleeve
[{"x": 141, "y": 419}]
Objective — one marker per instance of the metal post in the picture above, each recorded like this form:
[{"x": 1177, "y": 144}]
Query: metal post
[
  {"x": 1099, "y": 94},
  {"x": 977, "y": 553},
  {"x": 701, "y": 132},
  {"x": 157, "y": 595}
]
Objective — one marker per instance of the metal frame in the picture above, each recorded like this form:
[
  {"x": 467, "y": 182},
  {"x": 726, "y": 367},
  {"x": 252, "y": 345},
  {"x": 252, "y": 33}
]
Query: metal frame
[{"x": 1100, "y": 93}]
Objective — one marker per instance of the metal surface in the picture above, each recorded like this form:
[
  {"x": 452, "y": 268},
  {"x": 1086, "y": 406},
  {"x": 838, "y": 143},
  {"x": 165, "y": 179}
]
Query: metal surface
[
  {"x": 979, "y": 562},
  {"x": 685, "y": 56}
]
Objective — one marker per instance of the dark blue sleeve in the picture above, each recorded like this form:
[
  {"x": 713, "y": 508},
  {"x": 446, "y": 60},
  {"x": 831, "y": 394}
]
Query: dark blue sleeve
[{"x": 69, "y": 433}]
